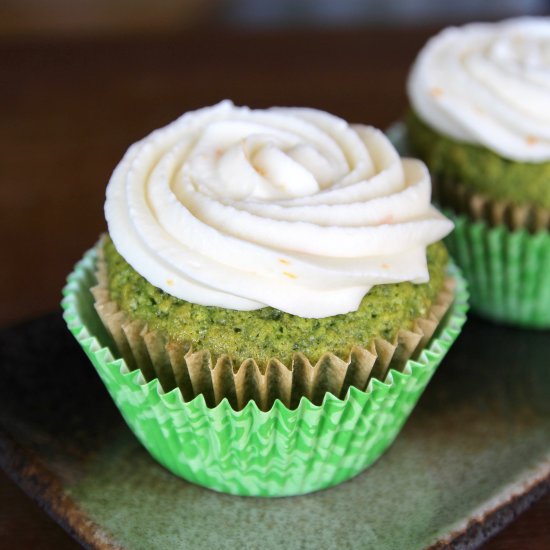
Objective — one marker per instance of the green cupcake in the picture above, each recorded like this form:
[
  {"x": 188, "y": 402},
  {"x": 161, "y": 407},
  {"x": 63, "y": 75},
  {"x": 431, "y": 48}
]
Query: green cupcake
[
  {"x": 477, "y": 122},
  {"x": 269, "y": 280}
]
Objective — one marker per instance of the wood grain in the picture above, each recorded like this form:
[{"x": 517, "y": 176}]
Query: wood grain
[{"x": 71, "y": 107}]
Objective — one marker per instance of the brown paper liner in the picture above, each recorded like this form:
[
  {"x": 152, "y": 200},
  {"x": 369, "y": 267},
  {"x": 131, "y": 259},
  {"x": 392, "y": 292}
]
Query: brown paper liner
[
  {"x": 477, "y": 206},
  {"x": 194, "y": 372}
]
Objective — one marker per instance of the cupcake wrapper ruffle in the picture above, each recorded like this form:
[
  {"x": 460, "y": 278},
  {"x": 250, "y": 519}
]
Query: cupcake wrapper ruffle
[
  {"x": 480, "y": 207},
  {"x": 508, "y": 272},
  {"x": 277, "y": 452}
]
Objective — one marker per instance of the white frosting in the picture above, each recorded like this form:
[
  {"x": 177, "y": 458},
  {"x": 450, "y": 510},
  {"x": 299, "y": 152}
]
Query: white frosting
[
  {"x": 291, "y": 208},
  {"x": 488, "y": 84}
]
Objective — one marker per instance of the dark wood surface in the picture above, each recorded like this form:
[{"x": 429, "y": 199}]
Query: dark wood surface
[{"x": 70, "y": 109}]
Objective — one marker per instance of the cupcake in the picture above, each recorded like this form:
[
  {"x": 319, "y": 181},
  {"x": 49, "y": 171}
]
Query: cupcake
[
  {"x": 480, "y": 119},
  {"x": 272, "y": 296}
]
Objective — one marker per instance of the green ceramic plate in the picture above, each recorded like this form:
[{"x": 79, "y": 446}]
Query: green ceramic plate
[{"x": 475, "y": 451}]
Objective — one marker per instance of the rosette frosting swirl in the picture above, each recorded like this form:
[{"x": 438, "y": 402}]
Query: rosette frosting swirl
[
  {"x": 488, "y": 84},
  {"x": 287, "y": 207}
]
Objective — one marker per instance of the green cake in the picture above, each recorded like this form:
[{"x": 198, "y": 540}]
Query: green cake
[
  {"x": 265, "y": 333},
  {"x": 478, "y": 168}
]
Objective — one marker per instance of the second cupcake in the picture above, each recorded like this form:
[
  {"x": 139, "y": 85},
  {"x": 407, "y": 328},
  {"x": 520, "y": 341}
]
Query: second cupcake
[{"x": 480, "y": 97}]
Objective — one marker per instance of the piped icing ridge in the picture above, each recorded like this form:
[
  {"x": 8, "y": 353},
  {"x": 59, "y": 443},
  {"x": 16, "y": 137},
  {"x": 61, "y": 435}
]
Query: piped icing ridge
[
  {"x": 488, "y": 84},
  {"x": 287, "y": 207}
]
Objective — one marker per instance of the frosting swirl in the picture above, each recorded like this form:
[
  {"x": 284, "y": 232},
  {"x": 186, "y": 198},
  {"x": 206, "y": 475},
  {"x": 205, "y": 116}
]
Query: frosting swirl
[
  {"x": 488, "y": 84},
  {"x": 287, "y": 207}
]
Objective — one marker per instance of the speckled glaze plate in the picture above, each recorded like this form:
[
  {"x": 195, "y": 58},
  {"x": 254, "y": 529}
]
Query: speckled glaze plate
[{"x": 475, "y": 452}]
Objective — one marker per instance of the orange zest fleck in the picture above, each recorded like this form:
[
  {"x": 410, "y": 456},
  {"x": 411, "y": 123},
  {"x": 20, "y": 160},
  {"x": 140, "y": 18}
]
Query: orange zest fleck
[
  {"x": 283, "y": 261},
  {"x": 290, "y": 275},
  {"x": 436, "y": 92},
  {"x": 169, "y": 282},
  {"x": 531, "y": 140},
  {"x": 386, "y": 220}
]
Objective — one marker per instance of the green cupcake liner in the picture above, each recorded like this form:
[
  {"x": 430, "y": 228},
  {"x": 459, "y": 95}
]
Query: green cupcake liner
[
  {"x": 280, "y": 452},
  {"x": 508, "y": 272}
]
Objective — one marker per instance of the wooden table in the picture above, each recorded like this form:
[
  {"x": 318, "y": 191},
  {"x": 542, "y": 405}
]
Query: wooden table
[{"x": 71, "y": 108}]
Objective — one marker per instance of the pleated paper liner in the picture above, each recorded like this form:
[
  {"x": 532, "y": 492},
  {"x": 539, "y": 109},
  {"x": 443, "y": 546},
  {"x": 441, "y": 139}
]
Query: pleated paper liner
[
  {"x": 508, "y": 272},
  {"x": 194, "y": 372},
  {"x": 480, "y": 207},
  {"x": 504, "y": 252},
  {"x": 278, "y": 452}
]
